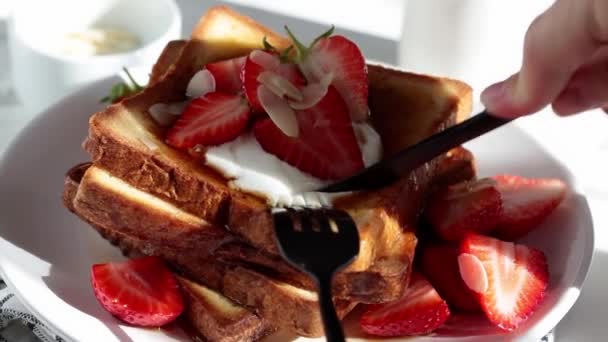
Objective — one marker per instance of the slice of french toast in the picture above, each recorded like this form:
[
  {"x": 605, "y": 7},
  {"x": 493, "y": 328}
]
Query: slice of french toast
[
  {"x": 219, "y": 319},
  {"x": 109, "y": 205},
  {"x": 405, "y": 108},
  {"x": 286, "y": 305},
  {"x": 208, "y": 314}
]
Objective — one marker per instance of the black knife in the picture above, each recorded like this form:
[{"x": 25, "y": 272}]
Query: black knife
[{"x": 389, "y": 170}]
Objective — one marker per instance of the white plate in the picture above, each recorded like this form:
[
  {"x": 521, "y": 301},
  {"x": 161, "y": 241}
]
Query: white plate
[{"x": 46, "y": 252}]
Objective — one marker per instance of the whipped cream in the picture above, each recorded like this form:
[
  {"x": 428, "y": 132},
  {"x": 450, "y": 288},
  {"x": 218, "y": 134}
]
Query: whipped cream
[
  {"x": 249, "y": 168},
  {"x": 253, "y": 170}
]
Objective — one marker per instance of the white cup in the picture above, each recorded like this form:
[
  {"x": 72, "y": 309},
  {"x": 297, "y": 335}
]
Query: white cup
[
  {"x": 43, "y": 74},
  {"x": 477, "y": 41}
]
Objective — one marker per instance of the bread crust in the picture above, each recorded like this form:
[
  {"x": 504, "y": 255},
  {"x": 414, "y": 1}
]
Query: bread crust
[{"x": 125, "y": 142}]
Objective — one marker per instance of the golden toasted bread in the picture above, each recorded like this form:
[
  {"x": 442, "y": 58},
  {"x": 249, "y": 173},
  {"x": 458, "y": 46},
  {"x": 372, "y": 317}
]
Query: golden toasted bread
[
  {"x": 148, "y": 197},
  {"x": 405, "y": 107},
  {"x": 208, "y": 313},
  {"x": 286, "y": 309},
  {"x": 219, "y": 319},
  {"x": 110, "y": 205}
]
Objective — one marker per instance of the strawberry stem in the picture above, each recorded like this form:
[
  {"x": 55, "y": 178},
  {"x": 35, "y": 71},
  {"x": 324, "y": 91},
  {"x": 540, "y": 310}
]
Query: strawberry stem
[
  {"x": 134, "y": 86},
  {"x": 302, "y": 50},
  {"x": 267, "y": 45},
  {"x": 285, "y": 55},
  {"x": 325, "y": 34}
]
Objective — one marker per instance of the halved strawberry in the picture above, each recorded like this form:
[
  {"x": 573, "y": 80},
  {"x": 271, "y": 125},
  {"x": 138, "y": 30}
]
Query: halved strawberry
[
  {"x": 141, "y": 291},
  {"x": 439, "y": 263},
  {"x": 527, "y": 202},
  {"x": 473, "y": 206},
  {"x": 227, "y": 75},
  {"x": 420, "y": 311},
  {"x": 259, "y": 61},
  {"x": 342, "y": 58},
  {"x": 212, "y": 119},
  {"x": 326, "y": 146},
  {"x": 513, "y": 278}
]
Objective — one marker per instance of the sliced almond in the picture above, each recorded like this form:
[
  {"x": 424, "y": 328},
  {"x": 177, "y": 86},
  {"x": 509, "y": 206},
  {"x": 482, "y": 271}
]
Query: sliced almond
[
  {"x": 201, "y": 83},
  {"x": 326, "y": 79},
  {"x": 312, "y": 71},
  {"x": 312, "y": 94},
  {"x": 473, "y": 273},
  {"x": 264, "y": 59},
  {"x": 160, "y": 113},
  {"x": 279, "y": 85},
  {"x": 177, "y": 108},
  {"x": 279, "y": 111}
]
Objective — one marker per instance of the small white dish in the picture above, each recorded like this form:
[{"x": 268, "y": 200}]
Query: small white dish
[
  {"x": 46, "y": 252},
  {"x": 43, "y": 72}
]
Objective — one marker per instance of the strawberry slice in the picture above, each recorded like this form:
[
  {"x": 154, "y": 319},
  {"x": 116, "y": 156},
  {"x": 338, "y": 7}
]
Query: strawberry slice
[
  {"x": 473, "y": 206},
  {"x": 515, "y": 278},
  {"x": 326, "y": 146},
  {"x": 527, "y": 202},
  {"x": 420, "y": 311},
  {"x": 260, "y": 61},
  {"x": 227, "y": 75},
  {"x": 213, "y": 119},
  {"x": 141, "y": 292},
  {"x": 439, "y": 263},
  {"x": 342, "y": 58}
]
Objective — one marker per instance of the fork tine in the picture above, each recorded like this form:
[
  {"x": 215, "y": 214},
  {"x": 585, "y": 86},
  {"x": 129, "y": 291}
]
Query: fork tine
[
  {"x": 282, "y": 221},
  {"x": 343, "y": 220},
  {"x": 296, "y": 219},
  {"x": 306, "y": 221},
  {"x": 321, "y": 218}
]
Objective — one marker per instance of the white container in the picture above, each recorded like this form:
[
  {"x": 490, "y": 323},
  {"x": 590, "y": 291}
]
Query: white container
[
  {"x": 42, "y": 73},
  {"x": 477, "y": 41}
]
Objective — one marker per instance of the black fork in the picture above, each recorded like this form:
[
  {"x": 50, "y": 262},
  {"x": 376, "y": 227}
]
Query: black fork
[{"x": 319, "y": 242}]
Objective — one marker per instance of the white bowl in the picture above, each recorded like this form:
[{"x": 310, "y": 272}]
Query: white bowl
[
  {"x": 42, "y": 74},
  {"x": 46, "y": 252}
]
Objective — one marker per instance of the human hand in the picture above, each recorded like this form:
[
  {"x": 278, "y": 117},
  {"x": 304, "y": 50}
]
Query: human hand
[{"x": 565, "y": 63}]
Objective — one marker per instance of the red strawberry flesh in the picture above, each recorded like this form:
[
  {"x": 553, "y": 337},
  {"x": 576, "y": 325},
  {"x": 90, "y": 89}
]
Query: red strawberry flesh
[
  {"x": 213, "y": 119},
  {"x": 343, "y": 58},
  {"x": 227, "y": 75},
  {"x": 252, "y": 70},
  {"x": 468, "y": 207},
  {"x": 420, "y": 311},
  {"x": 141, "y": 292},
  {"x": 439, "y": 263},
  {"x": 326, "y": 146},
  {"x": 527, "y": 202},
  {"x": 517, "y": 278}
]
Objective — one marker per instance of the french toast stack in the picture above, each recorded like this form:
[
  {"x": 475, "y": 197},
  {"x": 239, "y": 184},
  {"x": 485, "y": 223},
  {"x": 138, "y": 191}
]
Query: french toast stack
[{"x": 150, "y": 199}]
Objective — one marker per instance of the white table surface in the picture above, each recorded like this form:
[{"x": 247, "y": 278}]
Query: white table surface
[{"x": 581, "y": 142}]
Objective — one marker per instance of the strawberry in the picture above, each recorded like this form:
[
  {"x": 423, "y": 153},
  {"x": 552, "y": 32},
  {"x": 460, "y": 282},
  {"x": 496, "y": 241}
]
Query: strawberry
[
  {"x": 473, "y": 206},
  {"x": 141, "y": 292},
  {"x": 342, "y": 59},
  {"x": 259, "y": 61},
  {"x": 527, "y": 202},
  {"x": 212, "y": 119},
  {"x": 326, "y": 146},
  {"x": 227, "y": 75},
  {"x": 420, "y": 311},
  {"x": 439, "y": 263},
  {"x": 510, "y": 279}
]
